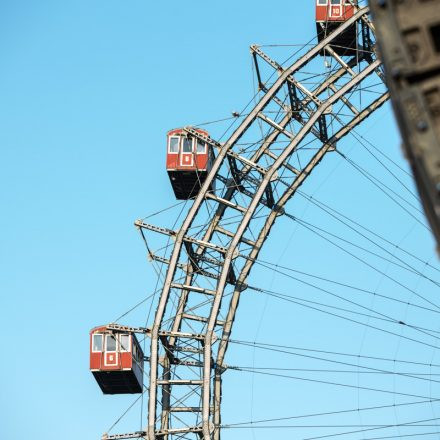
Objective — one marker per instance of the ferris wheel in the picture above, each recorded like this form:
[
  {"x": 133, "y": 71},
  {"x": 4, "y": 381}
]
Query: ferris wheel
[{"x": 235, "y": 190}]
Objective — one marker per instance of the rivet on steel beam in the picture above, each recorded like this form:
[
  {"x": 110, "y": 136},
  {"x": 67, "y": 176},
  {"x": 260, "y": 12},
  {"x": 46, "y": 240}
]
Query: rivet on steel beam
[
  {"x": 396, "y": 72},
  {"x": 422, "y": 125}
]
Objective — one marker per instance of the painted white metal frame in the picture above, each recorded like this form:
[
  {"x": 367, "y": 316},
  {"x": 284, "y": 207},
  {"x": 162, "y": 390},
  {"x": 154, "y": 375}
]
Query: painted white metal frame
[{"x": 168, "y": 344}]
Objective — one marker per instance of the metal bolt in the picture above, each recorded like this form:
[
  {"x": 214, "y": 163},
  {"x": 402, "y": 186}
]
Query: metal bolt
[
  {"x": 422, "y": 125},
  {"x": 396, "y": 72},
  {"x": 382, "y": 3}
]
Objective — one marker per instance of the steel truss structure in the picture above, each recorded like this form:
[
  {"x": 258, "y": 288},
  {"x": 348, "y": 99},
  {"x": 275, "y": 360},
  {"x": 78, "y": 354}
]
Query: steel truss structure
[{"x": 224, "y": 230}]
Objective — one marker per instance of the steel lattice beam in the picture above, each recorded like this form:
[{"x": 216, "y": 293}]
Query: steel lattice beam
[{"x": 201, "y": 354}]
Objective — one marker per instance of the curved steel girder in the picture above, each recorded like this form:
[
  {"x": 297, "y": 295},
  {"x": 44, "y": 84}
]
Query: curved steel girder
[
  {"x": 264, "y": 233},
  {"x": 246, "y": 220},
  {"x": 207, "y": 237},
  {"x": 263, "y": 149},
  {"x": 193, "y": 212}
]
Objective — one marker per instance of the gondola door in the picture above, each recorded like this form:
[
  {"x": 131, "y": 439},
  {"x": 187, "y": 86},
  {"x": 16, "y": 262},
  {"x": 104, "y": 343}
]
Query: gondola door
[
  {"x": 186, "y": 152},
  {"x": 111, "y": 354},
  {"x": 336, "y": 8}
]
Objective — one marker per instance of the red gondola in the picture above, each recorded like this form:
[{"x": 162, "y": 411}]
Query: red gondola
[
  {"x": 116, "y": 361},
  {"x": 329, "y": 16},
  {"x": 189, "y": 161}
]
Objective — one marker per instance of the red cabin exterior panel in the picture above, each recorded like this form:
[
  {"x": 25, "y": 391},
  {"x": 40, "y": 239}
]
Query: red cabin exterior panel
[
  {"x": 194, "y": 160},
  {"x": 333, "y": 10},
  {"x": 188, "y": 163},
  {"x": 329, "y": 16},
  {"x": 116, "y": 361}
]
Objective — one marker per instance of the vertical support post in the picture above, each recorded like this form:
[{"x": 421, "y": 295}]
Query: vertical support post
[
  {"x": 154, "y": 353},
  {"x": 293, "y": 97},
  {"x": 166, "y": 396},
  {"x": 217, "y": 403},
  {"x": 323, "y": 129},
  {"x": 257, "y": 70},
  {"x": 366, "y": 38}
]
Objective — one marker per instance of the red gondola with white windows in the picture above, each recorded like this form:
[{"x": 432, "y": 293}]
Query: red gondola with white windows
[
  {"x": 189, "y": 161},
  {"x": 116, "y": 361},
  {"x": 330, "y": 14}
]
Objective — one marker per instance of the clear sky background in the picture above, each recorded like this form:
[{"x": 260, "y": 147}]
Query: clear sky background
[{"x": 88, "y": 89}]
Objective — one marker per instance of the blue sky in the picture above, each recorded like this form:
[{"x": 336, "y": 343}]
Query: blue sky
[{"x": 88, "y": 90}]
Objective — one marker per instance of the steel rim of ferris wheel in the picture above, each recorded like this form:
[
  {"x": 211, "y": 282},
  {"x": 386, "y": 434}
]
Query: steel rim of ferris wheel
[{"x": 187, "y": 365}]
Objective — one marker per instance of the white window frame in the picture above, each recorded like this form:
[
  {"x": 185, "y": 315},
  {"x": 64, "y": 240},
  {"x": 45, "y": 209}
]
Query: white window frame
[
  {"x": 109, "y": 335},
  {"x": 192, "y": 145},
  {"x": 204, "y": 147},
  {"x": 121, "y": 347},
  {"x": 178, "y": 144},
  {"x": 102, "y": 343}
]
